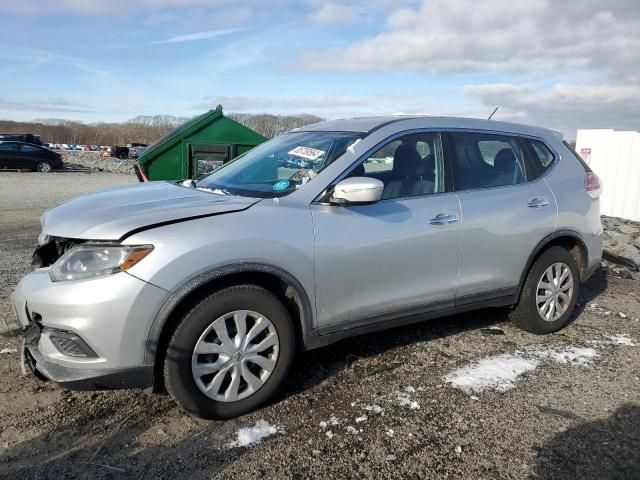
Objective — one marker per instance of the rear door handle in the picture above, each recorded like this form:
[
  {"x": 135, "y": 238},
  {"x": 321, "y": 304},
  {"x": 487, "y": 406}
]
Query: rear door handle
[
  {"x": 537, "y": 202},
  {"x": 444, "y": 219}
]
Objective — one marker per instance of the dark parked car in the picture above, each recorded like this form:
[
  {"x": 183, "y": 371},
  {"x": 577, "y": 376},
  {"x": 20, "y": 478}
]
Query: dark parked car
[
  {"x": 120, "y": 152},
  {"x": 21, "y": 137},
  {"x": 22, "y": 155}
]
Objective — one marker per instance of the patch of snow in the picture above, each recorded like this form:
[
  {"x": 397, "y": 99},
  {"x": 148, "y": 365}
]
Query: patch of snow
[
  {"x": 574, "y": 355},
  {"x": 361, "y": 419},
  {"x": 499, "y": 372},
  {"x": 389, "y": 433},
  {"x": 8, "y": 351},
  {"x": 377, "y": 409},
  {"x": 458, "y": 449},
  {"x": 333, "y": 420},
  {"x": 253, "y": 435},
  {"x": 410, "y": 389},
  {"x": 404, "y": 400},
  {"x": 619, "y": 339},
  {"x": 352, "y": 430},
  {"x": 329, "y": 434},
  {"x": 622, "y": 315},
  {"x": 323, "y": 424}
]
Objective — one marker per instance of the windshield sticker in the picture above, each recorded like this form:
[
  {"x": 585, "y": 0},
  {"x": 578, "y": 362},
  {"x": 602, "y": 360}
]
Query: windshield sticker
[
  {"x": 280, "y": 186},
  {"x": 307, "y": 152},
  {"x": 298, "y": 175}
]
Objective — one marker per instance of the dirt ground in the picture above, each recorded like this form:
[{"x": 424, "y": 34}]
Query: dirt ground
[{"x": 376, "y": 406}]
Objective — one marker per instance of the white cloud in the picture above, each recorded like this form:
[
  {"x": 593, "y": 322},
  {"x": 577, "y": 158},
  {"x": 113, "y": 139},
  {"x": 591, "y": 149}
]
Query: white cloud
[
  {"x": 333, "y": 14},
  {"x": 190, "y": 37},
  {"x": 563, "y": 106},
  {"x": 498, "y": 36}
]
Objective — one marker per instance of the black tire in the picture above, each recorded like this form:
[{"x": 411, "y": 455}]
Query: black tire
[
  {"x": 178, "y": 376},
  {"x": 44, "y": 167},
  {"x": 123, "y": 156},
  {"x": 525, "y": 315}
]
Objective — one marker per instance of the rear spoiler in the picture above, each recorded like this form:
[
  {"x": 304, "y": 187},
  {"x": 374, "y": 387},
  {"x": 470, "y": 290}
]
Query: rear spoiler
[{"x": 139, "y": 173}]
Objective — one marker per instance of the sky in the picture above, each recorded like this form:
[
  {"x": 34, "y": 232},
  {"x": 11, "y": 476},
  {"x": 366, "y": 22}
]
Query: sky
[{"x": 553, "y": 63}]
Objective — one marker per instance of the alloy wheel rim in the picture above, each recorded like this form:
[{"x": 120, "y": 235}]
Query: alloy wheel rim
[
  {"x": 44, "y": 167},
  {"x": 554, "y": 292},
  {"x": 235, "y": 356}
]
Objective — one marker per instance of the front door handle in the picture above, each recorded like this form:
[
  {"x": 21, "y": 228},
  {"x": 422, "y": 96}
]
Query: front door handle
[
  {"x": 537, "y": 202},
  {"x": 444, "y": 219}
]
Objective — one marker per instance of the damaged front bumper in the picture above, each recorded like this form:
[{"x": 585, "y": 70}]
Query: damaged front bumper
[{"x": 86, "y": 334}]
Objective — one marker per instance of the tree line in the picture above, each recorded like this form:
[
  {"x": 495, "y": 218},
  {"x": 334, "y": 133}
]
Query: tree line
[{"x": 143, "y": 128}]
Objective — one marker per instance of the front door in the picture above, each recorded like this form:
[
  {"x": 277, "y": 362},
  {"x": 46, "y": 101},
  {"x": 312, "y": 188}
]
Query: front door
[{"x": 397, "y": 256}]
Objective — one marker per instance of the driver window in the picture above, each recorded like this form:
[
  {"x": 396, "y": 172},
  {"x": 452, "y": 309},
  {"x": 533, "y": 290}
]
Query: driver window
[{"x": 409, "y": 166}]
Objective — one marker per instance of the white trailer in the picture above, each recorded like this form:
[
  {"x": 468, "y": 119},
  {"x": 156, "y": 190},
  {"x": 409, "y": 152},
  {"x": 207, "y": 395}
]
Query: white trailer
[{"x": 615, "y": 157}]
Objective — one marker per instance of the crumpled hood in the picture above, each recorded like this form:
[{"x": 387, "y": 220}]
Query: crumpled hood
[{"x": 111, "y": 214}]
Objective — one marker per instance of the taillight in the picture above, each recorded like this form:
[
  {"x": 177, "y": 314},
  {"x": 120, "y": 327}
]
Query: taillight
[{"x": 592, "y": 184}]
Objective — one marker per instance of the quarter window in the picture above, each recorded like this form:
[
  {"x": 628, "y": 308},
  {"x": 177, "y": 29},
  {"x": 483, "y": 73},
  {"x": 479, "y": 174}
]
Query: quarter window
[
  {"x": 408, "y": 166},
  {"x": 541, "y": 158},
  {"x": 486, "y": 160}
]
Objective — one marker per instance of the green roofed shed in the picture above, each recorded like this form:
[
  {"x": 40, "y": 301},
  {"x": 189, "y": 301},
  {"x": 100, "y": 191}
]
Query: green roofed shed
[{"x": 197, "y": 147}]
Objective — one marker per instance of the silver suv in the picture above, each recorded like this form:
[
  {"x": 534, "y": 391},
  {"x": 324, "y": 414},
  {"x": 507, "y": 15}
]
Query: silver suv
[{"x": 208, "y": 288}]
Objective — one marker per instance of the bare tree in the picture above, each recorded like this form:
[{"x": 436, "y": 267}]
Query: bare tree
[{"x": 143, "y": 129}]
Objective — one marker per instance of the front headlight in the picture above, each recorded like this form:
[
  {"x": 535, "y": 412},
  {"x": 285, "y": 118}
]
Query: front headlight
[{"x": 87, "y": 261}]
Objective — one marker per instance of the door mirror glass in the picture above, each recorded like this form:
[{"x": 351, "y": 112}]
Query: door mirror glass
[{"x": 357, "y": 190}]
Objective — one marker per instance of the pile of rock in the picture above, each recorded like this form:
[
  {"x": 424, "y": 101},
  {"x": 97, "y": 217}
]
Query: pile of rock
[
  {"x": 93, "y": 161},
  {"x": 621, "y": 239}
]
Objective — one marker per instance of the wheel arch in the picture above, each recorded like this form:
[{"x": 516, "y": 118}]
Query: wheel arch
[
  {"x": 278, "y": 281},
  {"x": 569, "y": 239}
]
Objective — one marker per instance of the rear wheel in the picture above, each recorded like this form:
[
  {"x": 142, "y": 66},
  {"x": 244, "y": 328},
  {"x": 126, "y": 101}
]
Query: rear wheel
[
  {"x": 549, "y": 293},
  {"x": 230, "y": 353},
  {"x": 123, "y": 155},
  {"x": 44, "y": 167}
]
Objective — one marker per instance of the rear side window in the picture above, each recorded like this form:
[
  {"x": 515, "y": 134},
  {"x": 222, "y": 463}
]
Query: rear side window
[
  {"x": 486, "y": 160},
  {"x": 540, "y": 158},
  {"x": 8, "y": 147}
]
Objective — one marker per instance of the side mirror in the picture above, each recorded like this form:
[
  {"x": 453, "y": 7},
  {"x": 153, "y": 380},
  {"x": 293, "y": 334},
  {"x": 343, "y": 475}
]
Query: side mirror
[{"x": 357, "y": 190}]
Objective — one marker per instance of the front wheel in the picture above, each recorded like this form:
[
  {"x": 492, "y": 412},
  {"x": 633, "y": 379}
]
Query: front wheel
[
  {"x": 549, "y": 293},
  {"x": 230, "y": 353}
]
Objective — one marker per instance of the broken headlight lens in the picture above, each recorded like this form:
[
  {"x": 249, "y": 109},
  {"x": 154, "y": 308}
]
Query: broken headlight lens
[{"x": 88, "y": 261}]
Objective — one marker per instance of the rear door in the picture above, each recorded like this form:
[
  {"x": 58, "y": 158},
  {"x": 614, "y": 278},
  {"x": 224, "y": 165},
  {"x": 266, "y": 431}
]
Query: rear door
[
  {"x": 505, "y": 212},
  {"x": 9, "y": 155}
]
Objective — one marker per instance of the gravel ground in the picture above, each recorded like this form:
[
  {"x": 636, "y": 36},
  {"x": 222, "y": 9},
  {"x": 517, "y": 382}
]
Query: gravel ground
[
  {"x": 93, "y": 161},
  {"x": 379, "y": 406}
]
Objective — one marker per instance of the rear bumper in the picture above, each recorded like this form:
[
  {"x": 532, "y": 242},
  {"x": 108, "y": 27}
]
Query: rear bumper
[{"x": 594, "y": 257}]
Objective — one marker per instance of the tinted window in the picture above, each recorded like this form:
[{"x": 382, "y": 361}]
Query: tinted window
[
  {"x": 541, "y": 158},
  {"x": 8, "y": 147},
  {"x": 29, "y": 148},
  {"x": 486, "y": 160},
  {"x": 408, "y": 166}
]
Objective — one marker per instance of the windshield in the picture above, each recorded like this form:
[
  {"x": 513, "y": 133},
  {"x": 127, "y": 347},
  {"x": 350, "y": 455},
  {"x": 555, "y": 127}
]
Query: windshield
[{"x": 279, "y": 166}]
